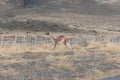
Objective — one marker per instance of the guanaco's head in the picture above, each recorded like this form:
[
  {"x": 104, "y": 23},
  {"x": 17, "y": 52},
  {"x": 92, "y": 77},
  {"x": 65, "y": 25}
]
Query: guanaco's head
[{"x": 48, "y": 33}]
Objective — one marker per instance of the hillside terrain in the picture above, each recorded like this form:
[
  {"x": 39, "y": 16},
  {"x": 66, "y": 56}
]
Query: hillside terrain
[{"x": 81, "y": 16}]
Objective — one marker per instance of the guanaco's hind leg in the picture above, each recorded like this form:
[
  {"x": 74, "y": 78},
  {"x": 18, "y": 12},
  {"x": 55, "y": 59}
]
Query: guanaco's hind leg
[{"x": 67, "y": 44}]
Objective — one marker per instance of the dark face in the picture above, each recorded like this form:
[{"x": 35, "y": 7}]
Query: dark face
[{"x": 47, "y": 33}]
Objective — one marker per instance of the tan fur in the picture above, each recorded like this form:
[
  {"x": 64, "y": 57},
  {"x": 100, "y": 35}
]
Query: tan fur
[{"x": 60, "y": 39}]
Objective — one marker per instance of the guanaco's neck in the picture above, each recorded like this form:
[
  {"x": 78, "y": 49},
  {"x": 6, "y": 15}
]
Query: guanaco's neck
[{"x": 52, "y": 36}]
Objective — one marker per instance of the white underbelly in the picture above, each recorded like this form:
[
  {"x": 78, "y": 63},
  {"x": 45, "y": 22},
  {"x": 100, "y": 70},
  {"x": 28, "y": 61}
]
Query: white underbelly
[{"x": 61, "y": 41}]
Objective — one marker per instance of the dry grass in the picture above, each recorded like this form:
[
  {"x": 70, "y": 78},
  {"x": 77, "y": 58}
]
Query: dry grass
[
  {"x": 111, "y": 48},
  {"x": 17, "y": 49},
  {"x": 76, "y": 47},
  {"x": 11, "y": 72},
  {"x": 96, "y": 72},
  {"x": 103, "y": 47},
  {"x": 63, "y": 66},
  {"x": 4, "y": 50},
  {"x": 117, "y": 60},
  {"x": 94, "y": 45},
  {"x": 106, "y": 47},
  {"x": 61, "y": 59}
]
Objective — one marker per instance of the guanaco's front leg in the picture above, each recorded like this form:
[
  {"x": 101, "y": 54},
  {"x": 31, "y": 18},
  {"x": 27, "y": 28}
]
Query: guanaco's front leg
[{"x": 55, "y": 45}]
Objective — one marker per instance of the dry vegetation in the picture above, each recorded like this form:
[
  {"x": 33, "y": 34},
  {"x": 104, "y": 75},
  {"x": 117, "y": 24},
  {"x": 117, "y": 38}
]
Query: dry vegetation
[
  {"x": 105, "y": 47},
  {"x": 91, "y": 62},
  {"x": 95, "y": 46}
]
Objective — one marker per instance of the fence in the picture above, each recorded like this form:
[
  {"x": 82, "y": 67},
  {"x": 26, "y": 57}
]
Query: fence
[{"x": 14, "y": 39}]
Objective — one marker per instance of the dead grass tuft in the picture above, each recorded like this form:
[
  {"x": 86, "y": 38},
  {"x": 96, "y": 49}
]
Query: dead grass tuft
[
  {"x": 94, "y": 45},
  {"x": 117, "y": 60},
  {"x": 76, "y": 47},
  {"x": 63, "y": 66},
  {"x": 111, "y": 48},
  {"x": 106, "y": 47},
  {"x": 9, "y": 72}
]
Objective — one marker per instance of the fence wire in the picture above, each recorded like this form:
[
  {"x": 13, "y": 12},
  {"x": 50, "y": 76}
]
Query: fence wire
[{"x": 14, "y": 39}]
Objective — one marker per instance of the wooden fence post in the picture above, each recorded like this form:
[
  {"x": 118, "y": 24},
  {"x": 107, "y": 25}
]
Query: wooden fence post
[
  {"x": 15, "y": 41},
  {"x": 24, "y": 40},
  {"x": 2, "y": 40},
  {"x": 35, "y": 37}
]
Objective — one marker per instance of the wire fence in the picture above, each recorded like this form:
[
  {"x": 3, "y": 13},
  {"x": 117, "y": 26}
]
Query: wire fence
[{"x": 14, "y": 39}]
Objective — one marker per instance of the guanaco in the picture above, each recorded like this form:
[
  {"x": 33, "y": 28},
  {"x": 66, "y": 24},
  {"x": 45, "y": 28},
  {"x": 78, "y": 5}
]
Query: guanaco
[{"x": 59, "y": 39}]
